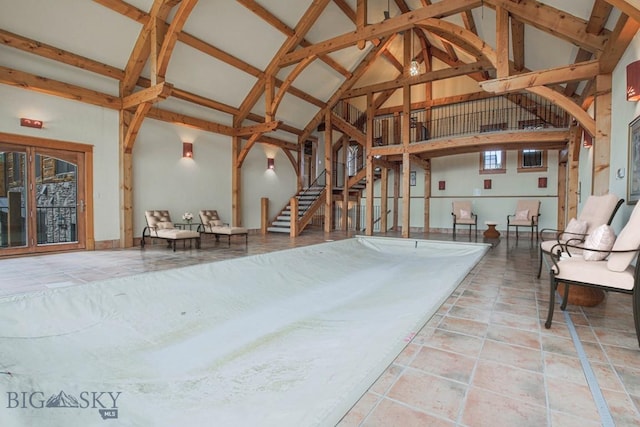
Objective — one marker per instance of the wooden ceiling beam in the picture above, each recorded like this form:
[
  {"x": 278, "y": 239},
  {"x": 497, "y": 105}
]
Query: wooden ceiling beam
[
  {"x": 621, "y": 37},
  {"x": 259, "y": 128},
  {"x": 431, "y": 76},
  {"x": 189, "y": 121},
  {"x": 361, "y": 68},
  {"x": 390, "y": 26},
  {"x": 50, "y": 52},
  {"x": 554, "y": 21},
  {"x": 152, "y": 94},
  {"x": 572, "y": 72},
  {"x": 630, "y": 8},
  {"x": 271, "y": 19},
  {"x": 278, "y": 143},
  {"x": 48, "y": 86},
  {"x": 304, "y": 25}
]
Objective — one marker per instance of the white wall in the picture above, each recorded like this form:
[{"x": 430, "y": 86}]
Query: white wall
[
  {"x": 74, "y": 122},
  {"x": 623, "y": 113}
]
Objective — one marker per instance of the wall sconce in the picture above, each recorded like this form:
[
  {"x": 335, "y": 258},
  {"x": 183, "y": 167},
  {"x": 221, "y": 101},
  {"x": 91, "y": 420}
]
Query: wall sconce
[
  {"x": 487, "y": 184},
  {"x": 187, "y": 149},
  {"x": 271, "y": 163},
  {"x": 441, "y": 185},
  {"x": 633, "y": 81},
  {"x": 31, "y": 123},
  {"x": 587, "y": 140}
]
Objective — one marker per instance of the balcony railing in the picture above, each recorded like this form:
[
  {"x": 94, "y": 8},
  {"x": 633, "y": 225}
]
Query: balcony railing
[{"x": 520, "y": 111}]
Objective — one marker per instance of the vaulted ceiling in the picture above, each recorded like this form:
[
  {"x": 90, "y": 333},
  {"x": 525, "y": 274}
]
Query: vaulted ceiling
[{"x": 270, "y": 68}]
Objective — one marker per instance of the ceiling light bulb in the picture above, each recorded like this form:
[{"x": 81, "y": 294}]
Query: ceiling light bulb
[{"x": 414, "y": 68}]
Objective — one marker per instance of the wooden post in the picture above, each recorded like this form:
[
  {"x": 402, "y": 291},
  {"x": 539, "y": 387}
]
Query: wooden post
[
  {"x": 293, "y": 202},
  {"x": 384, "y": 199},
  {"x": 427, "y": 195},
  {"x": 396, "y": 197},
  {"x": 328, "y": 166},
  {"x": 562, "y": 193},
  {"x": 345, "y": 186},
  {"x": 236, "y": 183},
  {"x": 264, "y": 214},
  {"x": 369, "y": 165},
  {"x": 572, "y": 171},
  {"x": 406, "y": 139},
  {"x": 602, "y": 145}
]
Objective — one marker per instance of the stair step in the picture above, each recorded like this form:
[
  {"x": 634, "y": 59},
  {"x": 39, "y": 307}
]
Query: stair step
[
  {"x": 279, "y": 230},
  {"x": 281, "y": 223}
]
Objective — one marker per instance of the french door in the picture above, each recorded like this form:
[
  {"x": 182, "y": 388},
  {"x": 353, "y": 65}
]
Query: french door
[{"x": 42, "y": 199}]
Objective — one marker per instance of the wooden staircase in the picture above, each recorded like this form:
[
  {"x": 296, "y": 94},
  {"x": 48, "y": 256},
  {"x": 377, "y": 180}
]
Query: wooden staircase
[{"x": 309, "y": 201}]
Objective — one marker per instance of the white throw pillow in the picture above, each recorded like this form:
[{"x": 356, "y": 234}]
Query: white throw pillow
[
  {"x": 602, "y": 239},
  {"x": 574, "y": 229},
  {"x": 216, "y": 223},
  {"x": 464, "y": 214},
  {"x": 522, "y": 215}
]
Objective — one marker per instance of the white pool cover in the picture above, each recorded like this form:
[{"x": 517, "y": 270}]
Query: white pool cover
[{"x": 290, "y": 338}]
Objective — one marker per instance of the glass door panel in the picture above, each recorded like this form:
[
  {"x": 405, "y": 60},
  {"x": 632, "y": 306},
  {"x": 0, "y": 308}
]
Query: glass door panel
[
  {"x": 56, "y": 199},
  {"x": 13, "y": 197}
]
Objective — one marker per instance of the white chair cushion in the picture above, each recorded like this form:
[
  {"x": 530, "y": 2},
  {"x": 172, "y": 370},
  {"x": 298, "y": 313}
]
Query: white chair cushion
[
  {"x": 601, "y": 239},
  {"x": 522, "y": 215},
  {"x": 465, "y": 214},
  {"x": 595, "y": 272},
  {"x": 574, "y": 229},
  {"x": 628, "y": 239}
]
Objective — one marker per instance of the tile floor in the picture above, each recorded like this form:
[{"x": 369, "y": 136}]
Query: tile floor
[{"x": 485, "y": 359}]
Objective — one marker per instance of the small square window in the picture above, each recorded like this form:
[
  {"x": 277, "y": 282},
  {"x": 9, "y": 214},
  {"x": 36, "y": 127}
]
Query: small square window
[
  {"x": 492, "y": 161},
  {"x": 532, "y": 160}
]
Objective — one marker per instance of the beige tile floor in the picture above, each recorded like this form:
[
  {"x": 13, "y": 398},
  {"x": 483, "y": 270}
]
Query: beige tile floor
[{"x": 485, "y": 359}]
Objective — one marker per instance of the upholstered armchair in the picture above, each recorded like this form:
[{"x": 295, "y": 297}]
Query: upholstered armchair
[
  {"x": 597, "y": 210},
  {"x": 462, "y": 215},
  {"x": 526, "y": 215}
]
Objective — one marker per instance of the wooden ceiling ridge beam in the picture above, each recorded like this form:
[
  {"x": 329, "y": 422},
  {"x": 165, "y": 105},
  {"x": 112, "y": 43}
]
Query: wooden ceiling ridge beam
[
  {"x": 302, "y": 28},
  {"x": 385, "y": 28},
  {"x": 554, "y": 21},
  {"x": 271, "y": 19},
  {"x": 572, "y": 72}
]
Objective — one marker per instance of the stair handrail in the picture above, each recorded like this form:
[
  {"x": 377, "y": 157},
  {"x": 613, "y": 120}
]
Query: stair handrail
[{"x": 319, "y": 182}]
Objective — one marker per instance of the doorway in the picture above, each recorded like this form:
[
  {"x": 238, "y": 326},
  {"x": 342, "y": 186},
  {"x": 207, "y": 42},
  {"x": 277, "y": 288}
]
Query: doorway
[{"x": 43, "y": 196}]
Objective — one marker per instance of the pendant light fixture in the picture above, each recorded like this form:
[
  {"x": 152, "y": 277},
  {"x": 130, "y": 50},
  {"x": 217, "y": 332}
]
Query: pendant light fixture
[{"x": 414, "y": 66}]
